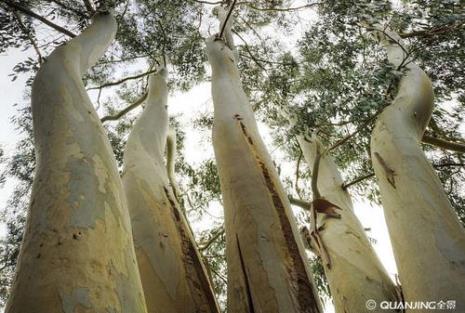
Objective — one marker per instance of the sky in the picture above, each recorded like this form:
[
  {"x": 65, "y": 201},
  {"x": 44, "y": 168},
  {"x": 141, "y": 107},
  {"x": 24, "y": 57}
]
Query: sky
[{"x": 184, "y": 106}]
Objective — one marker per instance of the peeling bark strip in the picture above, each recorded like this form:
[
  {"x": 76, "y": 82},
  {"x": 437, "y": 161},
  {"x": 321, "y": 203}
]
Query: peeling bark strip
[
  {"x": 248, "y": 291},
  {"x": 387, "y": 170},
  {"x": 173, "y": 275},
  {"x": 296, "y": 270},
  {"x": 424, "y": 228},
  {"x": 325, "y": 207},
  {"x": 77, "y": 253}
]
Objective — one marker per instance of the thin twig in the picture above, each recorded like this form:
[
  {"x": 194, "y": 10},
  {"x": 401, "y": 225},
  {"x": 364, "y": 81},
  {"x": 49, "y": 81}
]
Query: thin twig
[
  {"x": 71, "y": 9},
  {"x": 315, "y": 172},
  {"x": 297, "y": 173},
  {"x": 438, "y": 30},
  {"x": 228, "y": 16},
  {"x": 366, "y": 123},
  {"x": 165, "y": 39},
  {"x": 110, "y": 84},
  {"x": 29, "y": 36},
  {"x": 444, "y": 144},
  {"x": 212, "y": 239},
  {"x": 89, "y": 6},
  {"x": 300, "y": 203},
  {"x": 30, "y": 13},
  {"x": 357, "y": 180},
  {"x": 126, "y": 110},
  {"x": 305, "y": 6}
]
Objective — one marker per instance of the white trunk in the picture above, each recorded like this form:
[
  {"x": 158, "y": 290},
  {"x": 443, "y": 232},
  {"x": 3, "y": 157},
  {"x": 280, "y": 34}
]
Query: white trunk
[
  {"x": 173, "y": 275},
  {"x": 355, "y": 274},
  {"x": 267, "y": 268},
  {"x": 77, "y": 254},
  {"x": 428, "y": 240}
]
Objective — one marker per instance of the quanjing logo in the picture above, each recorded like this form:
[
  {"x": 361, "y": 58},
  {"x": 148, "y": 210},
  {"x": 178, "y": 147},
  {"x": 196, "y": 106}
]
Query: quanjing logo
[{"x": 412, "y": 305}]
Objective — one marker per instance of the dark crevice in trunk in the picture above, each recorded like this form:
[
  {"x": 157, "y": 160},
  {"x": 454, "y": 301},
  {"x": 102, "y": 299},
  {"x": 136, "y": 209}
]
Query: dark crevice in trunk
[
  {"x": 196, "y": 275},
  {"x": 248, "y": 291},
  {"x": 303, "y": 289}
]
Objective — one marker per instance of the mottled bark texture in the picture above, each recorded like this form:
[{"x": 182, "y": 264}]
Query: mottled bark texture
[
  {"x": 173, "y": 275},
  {"x": 427, "y": 238},
  {"x": 355, "y": 274},
  {"x": 77, "y": 254},
  {"x": 267, "y": 265}
]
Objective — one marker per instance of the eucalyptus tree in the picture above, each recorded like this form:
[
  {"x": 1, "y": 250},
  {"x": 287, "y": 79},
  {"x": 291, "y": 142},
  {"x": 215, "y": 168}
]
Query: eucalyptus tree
[
  {"x": 77, "y": 198},
  {"x": 173, "y": 275},
  {"x": 423, "y": 227},
  {"x": 267, "y": 268},
  {"x": 354, "y": 272}
]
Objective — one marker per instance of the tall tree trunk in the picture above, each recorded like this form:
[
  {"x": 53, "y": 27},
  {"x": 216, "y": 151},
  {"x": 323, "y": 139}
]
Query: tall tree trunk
[
  {"x": 428, "y": 240},
  {"x": 267, "y": 268},
  {"x": 355, "y": 274},
  {"x": 173, "y": 275},
  {"x": 77, "y": 254}
]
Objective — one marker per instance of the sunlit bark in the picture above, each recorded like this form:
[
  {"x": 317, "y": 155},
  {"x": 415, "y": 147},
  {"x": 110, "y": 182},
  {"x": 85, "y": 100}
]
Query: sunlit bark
[
  {"x": 173, "y": 275},
  {"x": 428, "y": 240},
  {"x": 77, "y": 254}
]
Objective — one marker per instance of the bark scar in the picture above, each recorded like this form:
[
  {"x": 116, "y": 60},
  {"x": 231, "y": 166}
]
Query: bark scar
[{"x": 390, "y": 173}]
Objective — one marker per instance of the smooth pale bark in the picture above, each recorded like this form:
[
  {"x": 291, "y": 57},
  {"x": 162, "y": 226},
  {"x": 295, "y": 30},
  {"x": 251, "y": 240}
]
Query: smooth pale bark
[
  {"x": 267, "y": 268},
  {"x": 77, "y": 254},
  {"x": 428, "y": 240},
  {"x": 173, "y": 275},
  {"x": 355, "y": 274}
]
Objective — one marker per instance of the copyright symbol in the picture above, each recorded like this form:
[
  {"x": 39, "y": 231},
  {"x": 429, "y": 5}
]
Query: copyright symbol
[{"x": 371, "y": 304}]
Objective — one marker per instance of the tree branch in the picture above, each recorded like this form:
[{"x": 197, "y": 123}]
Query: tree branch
[
  {"x": 365, "y": 124},
  {"x": 74, "y": 10},
  {"x": 315, "y": 171},
  {"x": 247, "y": 48},
  {"x": 357, "y": 180},
  {"x": 126, "y": 110},
  {"x": 297, "y": 173},
  {"x": 212, "y": 239},
  {"x": 445, "y": 144},
  {"x": 252, "y": 6},
  {"x": 228, "y": 16},
  {"x": 438, "y": 30},
  {"x": 29, "y": 36},
  {"x": 89, "y": 6},
  {"x": 123, "y": 80},
  {"x": 300, "y": 203},
  {"x": 30, "y": 13},
  {"x": 449, "y": 164}
]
